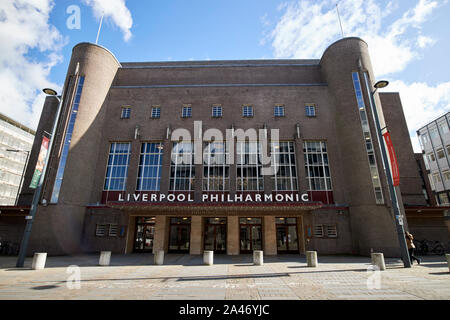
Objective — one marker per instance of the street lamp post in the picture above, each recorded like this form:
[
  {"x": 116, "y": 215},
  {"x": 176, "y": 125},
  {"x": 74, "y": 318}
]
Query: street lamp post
[
  {"x": 398, "y": 218},
  {"x": 23, "y": 171},
  {"x": 37, "y": 192}
]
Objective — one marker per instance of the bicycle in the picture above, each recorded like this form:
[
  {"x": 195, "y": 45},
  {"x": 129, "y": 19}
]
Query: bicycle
[{"x": 425, "y": 247}]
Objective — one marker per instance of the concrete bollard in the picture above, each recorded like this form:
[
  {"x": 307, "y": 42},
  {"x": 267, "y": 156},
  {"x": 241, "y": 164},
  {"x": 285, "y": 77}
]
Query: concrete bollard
[
  {"x": 311, "y": 259},
  {"x": 448, "y": 261},
  {"x": 39, "y": 260},
  {"x": 159, "y": 257},
  {"x": 105, "y": 258},
  {"x": 378, "y": 260},
  {"x": 208, "y": 258},
  {"x": 258, "y": 258}
]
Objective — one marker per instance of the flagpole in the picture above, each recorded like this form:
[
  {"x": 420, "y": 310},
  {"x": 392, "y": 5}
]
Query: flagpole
[
  {"x": 99, "y": 28},
  {"x": 340, "y": 22}
]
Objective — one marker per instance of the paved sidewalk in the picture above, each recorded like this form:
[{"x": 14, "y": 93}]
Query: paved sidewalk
[{"x": 183, "y": 277}]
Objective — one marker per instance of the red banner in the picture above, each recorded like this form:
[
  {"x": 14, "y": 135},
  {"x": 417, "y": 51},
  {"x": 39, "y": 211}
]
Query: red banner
[{"x": 393, "y": 159}]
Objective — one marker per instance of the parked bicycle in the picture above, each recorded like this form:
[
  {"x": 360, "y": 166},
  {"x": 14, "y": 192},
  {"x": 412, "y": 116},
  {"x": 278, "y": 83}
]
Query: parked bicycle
[
  {"x": 425, "y": 247},
  {"x": 9, "y": 249}
]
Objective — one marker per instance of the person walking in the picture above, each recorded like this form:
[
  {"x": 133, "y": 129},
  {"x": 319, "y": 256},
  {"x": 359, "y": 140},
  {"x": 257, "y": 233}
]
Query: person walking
[{"x": 411, "y": 247}]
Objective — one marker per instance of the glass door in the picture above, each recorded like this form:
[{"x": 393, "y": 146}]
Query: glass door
[
  {"x": 145, "y": 233},
  {"x": 179, "y": 235},
  {"x": 250, "y": 234},
  {"x": 215, "y": 235},
  {"x": 287, "y": 238}
]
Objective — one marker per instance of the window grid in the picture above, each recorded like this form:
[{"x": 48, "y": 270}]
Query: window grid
[
  {"x": 284, "y": 164},
  {"x": 126, "y": 113},
  {"x": 278, "y": 111},
  {"x": 182, "y": 168},
  {"x": 376, "y": 182},
  {"x": 216, "y": 111},
  {"x": 150, "y": 165},
  {"x": 317, "y": 166},
  {"x": 100, "y": 230},
  {"x": 117, "y": 168},
  {"x": 310, "y": 110},
  {"x": 331, "y": 231},
  {"x": 216, "y": 171},
  {"x": 67, "y": 142},
  {"x": 248, "y": 167},
  {"x": 318, "y": 231},
  {"x": 247, "y": 111},
  {"x": 156, "y": 112},
  {"x": 186, "y": 112},
  {"x": 113, "y": 230}
]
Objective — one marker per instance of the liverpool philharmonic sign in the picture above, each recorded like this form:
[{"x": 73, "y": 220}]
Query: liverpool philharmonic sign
[{"x": 291, "y": 197}]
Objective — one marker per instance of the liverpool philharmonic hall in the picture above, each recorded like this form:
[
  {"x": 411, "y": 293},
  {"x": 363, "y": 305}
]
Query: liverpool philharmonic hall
[{"x": 230, "y": 156}]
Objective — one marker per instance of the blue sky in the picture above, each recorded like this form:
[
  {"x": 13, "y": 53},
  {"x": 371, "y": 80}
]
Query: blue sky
[{"x": 408, "y": 40}]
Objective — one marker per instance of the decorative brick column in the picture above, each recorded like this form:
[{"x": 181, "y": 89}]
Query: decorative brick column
[
  {"x": 269, "y": 236},
  {"x": 196, "y": 235},
  {"x": 232, "y": 235},
  {"x": 160, "y": 234}
]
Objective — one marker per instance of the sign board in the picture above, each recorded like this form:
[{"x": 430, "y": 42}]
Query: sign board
[
  {"x": 393, "y": 159},
  {"x": 40, "y": 163}
]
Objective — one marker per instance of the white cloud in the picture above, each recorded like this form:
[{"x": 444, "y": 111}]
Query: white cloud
[
  {"x": 24, "y": 27},
  {"x": 117, "y": 11},
  {"x": 308, "y": 27},
  {"x": 422, "y": 104},
  {"x": 424, "y": 42}
]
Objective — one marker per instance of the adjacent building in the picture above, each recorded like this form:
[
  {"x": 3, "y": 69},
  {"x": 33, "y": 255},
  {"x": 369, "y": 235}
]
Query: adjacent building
[
  {"x": 229, "y": 156},
  {"x": 16, "y": 141},
  {"x": 434, "y": 139}
]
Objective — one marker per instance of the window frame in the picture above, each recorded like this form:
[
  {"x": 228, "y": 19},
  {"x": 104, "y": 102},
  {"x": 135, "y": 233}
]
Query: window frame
[
  {"x": 279, "y": 107},
  {"x": 156, "y": 107},
  {"x": 106, "y": 177},
  {"x": 209, "y": 167},
  {"x": 188, "y": 114},
  {"x": 240, "y": 164},
  {"x": 216, "y": 107},
  {"x": 140, "y": 179},
  {"x": 246, "y": 114},
  {"x": 175, "y": 166},
  {"x": 308, "y": 108},
  {"x": 125, "y": 112}
]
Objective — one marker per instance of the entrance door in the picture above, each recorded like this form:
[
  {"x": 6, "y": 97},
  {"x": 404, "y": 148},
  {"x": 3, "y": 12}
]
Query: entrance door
[
  {"x": 145, "y": 232},
  {"x": 250, "y": 234},
  {"x": 215, "y": 235},
  {"x": 180, "y": 235},
  {"x": 287, "y": 239}
]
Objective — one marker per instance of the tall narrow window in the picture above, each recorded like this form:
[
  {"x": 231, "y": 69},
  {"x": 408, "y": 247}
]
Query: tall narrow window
[
  {"x": 249, "y": 166},
  {"x": 117, "y": 169},
  {"x": 216, "y": 171},
  {"x": 316, "y": 166},
  {"x": 376, "y": 182},
  {"x": 182, "y": 168},
  {"x": 67, "y": 141},
  {"x": 125, "y": 113},
  {"x": 283, "y": 162},
  {"x": 150, "y": 165}
]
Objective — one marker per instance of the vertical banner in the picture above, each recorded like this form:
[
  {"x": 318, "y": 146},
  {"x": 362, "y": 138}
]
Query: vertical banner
[
  {"x": 393, "y": 159},
  {"x": 40, "y": 163}
]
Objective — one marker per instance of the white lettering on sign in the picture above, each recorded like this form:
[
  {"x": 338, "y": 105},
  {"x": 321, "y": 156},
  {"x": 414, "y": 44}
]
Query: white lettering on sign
[{"x": 214, "y": 198}]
